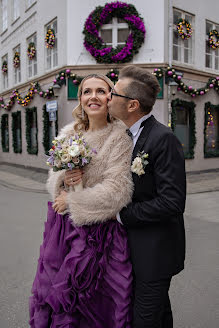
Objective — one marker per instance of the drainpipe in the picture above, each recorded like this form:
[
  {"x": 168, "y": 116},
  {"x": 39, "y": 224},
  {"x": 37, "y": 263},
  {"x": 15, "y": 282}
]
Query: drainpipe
[{"x": 170, "y": 55}]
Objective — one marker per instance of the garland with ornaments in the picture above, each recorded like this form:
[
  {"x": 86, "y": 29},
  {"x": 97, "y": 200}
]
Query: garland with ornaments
[
  {"x": 113, "y": 75},
  {"x": 31, "y": 50},
  {"x": 5, "y": 67},
  {"x": 102, "y": 15},
  {"x": 50, "y": 38},
  {"x": 184, "y": 29},
  {"x": 35, "y": 88},
  {"x": 16, "y": 59},
  {"x": 213, "y": 39},
  {"x": 213, "y": 82}
]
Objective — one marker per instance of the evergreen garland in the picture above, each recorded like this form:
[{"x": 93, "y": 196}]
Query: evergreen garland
[
  {"x": 16, "y": 122},
  {"x": 209, "y": 153},
  {"x": 4, "y": 125},
  {"x": 46, "y": 121},
  {"x": 192, "y": 124},
  {"x": 213, "y": 82},
  {"x": 29, "y": 116}
]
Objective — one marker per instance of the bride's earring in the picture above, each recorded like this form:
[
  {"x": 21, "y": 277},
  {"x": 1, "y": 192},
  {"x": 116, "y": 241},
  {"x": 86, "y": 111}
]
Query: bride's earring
[{"x": 82, "y": 113}]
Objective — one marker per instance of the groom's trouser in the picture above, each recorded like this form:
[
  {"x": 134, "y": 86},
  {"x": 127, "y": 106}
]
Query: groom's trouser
[{"x": 152, "y": 307}]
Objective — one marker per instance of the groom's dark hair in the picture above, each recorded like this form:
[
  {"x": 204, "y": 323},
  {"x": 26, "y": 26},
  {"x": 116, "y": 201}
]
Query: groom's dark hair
[{"x": 143, "y": 86}]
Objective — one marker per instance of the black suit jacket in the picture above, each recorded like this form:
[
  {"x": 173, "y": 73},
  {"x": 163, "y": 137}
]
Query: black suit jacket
[{"x": 154, "y": 219}]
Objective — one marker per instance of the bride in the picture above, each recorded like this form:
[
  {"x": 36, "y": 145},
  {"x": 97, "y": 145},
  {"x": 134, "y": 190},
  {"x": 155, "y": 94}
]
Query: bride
[{"x": 84, "y": 274}]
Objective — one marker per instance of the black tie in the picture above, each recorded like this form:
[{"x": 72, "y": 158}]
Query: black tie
[{"x": 129, "y": 133}]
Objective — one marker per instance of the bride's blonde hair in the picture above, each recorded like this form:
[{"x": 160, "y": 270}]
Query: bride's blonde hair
[{"x": 82, "y": 123}]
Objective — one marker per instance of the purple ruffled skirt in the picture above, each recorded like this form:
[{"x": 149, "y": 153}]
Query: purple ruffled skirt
[{"x": 84, "y": 276}]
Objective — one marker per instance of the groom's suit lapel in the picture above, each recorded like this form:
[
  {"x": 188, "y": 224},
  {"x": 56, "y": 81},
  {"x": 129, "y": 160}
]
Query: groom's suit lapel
[{"x": 143, "y": 136}]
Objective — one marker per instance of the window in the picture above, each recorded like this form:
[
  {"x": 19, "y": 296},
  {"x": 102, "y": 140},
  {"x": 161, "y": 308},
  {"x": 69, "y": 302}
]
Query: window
[
  {"x": 16, "y": 132},
  {"x": 4, "y": 9},
  {"x": 50, "y": 130},
  {"x": 183, "y": 125},
  {"x": 32, "y": 130},
  {"x": 182, "y": 49},
  {"x": 5, "y": 74},
  {"x": 115, "y": 33},
  {"x": 211, "y": 55},
  {"x": 32, "y": 63},
  {"x": 5, "y": 133},
  {"x": 211, "y": 148},
  {"x": 30, "y": 2},
  {"x": 16, "y": 12},
  {"x": 17, "y": 70},
  {"x": 52, "y": 53}
]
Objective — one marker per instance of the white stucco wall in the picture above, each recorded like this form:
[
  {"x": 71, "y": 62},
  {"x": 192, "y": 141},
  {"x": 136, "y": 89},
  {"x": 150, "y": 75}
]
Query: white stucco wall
[{"x": 152, "y": 12}]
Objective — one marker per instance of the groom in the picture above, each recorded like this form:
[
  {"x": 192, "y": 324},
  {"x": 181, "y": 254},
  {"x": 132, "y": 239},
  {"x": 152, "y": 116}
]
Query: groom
[{"x": 154, "y": 219}]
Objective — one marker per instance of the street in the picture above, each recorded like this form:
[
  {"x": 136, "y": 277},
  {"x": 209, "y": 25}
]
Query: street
[{"x": 194, "y": 292}]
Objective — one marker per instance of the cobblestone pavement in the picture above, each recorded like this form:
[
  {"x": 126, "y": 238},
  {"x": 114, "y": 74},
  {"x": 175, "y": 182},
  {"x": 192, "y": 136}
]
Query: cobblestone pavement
[{"x": 34, "y": 179}]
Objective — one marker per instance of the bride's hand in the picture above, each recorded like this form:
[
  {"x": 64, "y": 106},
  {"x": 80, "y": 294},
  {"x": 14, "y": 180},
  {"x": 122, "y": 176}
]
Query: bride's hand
[
  {"x": 60, "y": 203},
  {"x": 73, "y": 177}
]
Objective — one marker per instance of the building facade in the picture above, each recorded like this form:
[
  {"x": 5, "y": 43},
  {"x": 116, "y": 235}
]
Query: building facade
[{"x": 33, "y": 74}]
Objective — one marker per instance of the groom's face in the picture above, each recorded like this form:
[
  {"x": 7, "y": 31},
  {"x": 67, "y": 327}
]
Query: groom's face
[{"x": 117, "y": 105}]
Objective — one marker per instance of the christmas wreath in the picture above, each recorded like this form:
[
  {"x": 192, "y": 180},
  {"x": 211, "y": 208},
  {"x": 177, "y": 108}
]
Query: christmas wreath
[
  {"x": 102, "y": 15},
  {"x": 5, "y": 67},
  {"x": 184, "y": 29},
  {"x": 213, "y": 39},
  {"x": 50, "y": 38},
  {"x": 16, "y": 60},
  {"x": 31, "y": 50}
]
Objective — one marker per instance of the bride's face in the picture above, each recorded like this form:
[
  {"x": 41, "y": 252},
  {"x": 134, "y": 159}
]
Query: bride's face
[{"x": 94, "y": 98}]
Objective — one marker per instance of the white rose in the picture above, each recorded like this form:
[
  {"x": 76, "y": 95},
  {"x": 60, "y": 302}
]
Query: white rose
[
  {"x": 137, "y": 166},
  {"x": 66, "y": 158},
  {"x": 74, "y": 150},
  {"x": 58, "y": 163}
]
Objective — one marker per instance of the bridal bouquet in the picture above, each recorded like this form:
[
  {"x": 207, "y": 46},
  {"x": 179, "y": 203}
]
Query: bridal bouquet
[{"x": 70, "y": 153}]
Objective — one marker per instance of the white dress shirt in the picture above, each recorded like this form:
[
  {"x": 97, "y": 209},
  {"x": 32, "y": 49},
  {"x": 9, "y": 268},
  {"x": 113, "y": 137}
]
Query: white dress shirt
[{"x": 136, "y": 131}]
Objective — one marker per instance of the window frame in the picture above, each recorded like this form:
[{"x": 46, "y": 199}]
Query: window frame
[
  {"x": 15, "y": 9},
  {"x": 52, "y": 52},
  {"x": 213, "y": 53},
  {"x": 29, "y": 113},
  {"x": 181, "y": 42},
  {"x": 5, "y": 76},
  {"x": 17, "y": 70},
  {"x": 4, "y": 15},
  {"x": 114, "y": 26},
  {"x": 29, "y": 3},
  {"x": 16, "y": 120},
  {"x": 3, "y": 127},
  {"x": 33, "y": 62},
  {"x": 210, "y": 153},
  {"x": 192, "y": 123}
]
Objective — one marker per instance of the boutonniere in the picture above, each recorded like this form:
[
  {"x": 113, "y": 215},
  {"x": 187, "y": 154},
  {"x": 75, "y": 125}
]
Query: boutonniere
[{"x": 140, "y": 162}]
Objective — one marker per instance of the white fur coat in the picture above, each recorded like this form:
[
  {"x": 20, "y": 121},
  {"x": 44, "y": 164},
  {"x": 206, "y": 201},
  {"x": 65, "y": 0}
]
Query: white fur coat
[{"x": 107, "y": 179}]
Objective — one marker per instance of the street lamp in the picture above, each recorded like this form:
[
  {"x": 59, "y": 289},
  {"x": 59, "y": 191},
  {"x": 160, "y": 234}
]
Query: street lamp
[{"x": 56, "y": 90}]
